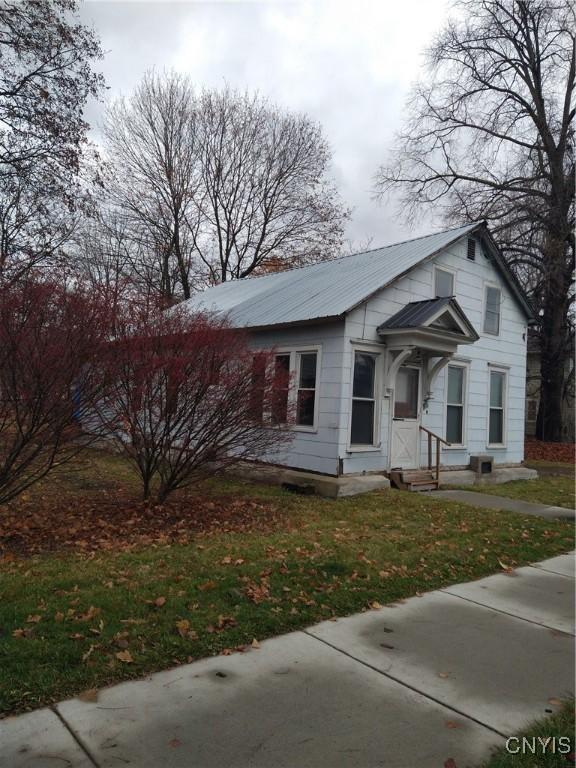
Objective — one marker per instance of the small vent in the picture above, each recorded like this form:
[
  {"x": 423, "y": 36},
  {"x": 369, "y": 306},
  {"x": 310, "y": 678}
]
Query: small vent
[{"x": 471, "y": 249}]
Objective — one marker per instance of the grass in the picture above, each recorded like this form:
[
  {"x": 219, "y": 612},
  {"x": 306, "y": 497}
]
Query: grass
[
  {"x": 71, "y": 621},
  {"x": 557, "y": 491},
  {"x": 558, "y": 725}
]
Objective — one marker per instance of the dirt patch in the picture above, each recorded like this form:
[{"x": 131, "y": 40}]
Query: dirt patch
[
  {"x": 118, "y": 522},
  {"x": 536, "y": 450}
]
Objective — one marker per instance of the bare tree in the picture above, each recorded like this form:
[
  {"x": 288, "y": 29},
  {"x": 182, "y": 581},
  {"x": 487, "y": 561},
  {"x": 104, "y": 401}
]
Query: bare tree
[
  {"x": 490, "y": 136},
  {"x": 151, "y": 143},
  {"x": 267, "y": 200},
  {"x": 183, "y": 401},
  {"x": 45, "y": 79},
  {"x": 218, "y": 185}
]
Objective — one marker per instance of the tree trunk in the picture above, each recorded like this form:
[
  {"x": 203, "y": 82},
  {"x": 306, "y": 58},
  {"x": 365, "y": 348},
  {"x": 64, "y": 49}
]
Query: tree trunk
[{"x": 553, "y": 344}]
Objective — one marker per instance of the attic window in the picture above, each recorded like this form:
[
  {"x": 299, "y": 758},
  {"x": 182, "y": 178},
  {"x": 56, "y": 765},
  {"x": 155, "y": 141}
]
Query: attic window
[{"x": 471, "y": 254}]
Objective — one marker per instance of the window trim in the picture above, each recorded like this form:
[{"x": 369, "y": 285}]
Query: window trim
[
  {"x": 377, "y": 444},
  {"x": 440, "y": 268},
  {"x": 465, "y": 365},
  {"x": 295, "y": 352},
  {"x": 485, "y": 305},
  {"x": 492, "y": 368}
]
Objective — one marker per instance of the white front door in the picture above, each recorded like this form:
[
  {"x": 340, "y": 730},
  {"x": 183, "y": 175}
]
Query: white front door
[{"x": 405, "y": 441}]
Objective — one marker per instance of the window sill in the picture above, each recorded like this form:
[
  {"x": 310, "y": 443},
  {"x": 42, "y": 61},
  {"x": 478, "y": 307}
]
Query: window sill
[
  {"x": 363, "y": 448},
  {"x": 497, "y": 447},
  {"x": 301, "y": 428},
  {"x": 455, "y": 447}
]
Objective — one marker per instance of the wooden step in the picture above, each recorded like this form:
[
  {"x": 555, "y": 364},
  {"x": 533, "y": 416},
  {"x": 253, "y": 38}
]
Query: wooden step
[{"x": 413, "y": 480}]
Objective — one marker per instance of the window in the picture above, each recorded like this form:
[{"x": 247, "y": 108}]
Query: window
[
  {"x": 497, "y": 408},
  {"x": 455, "y": 394},
  {"x": 362, "y": 431},
  {"x": 492, "y": 299},
  {"x": 443, "y": 283},
  {"x": 306, "y": 391},
  {"x": 258, "y": 387},
  {"x": 471, "y": 252},
  {"x": 281, "y": 389},
  {"x": 406, "y": 394}
]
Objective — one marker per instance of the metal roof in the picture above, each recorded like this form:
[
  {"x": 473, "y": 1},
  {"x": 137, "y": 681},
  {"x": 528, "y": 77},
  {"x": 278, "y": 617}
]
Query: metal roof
[
  {"x": 325, "y": 290},
  {"x": 415, "y": 314}
]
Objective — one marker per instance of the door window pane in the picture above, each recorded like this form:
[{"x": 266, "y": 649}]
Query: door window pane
[
  {"x": 443, "y": 283},
  {"x": 406, "y": 394},
  {"x": 364, "y": 368},
  {"x": 362, "y": 432}
]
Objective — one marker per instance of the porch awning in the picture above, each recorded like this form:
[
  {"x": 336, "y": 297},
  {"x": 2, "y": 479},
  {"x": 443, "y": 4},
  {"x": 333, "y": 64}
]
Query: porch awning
[{"x": 431, "y": 324}]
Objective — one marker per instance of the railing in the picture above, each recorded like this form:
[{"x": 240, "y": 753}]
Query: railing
[{"x": 438, "y": 441}]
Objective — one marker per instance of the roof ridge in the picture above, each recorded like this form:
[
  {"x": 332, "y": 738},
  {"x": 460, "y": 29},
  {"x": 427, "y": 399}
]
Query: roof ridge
[{"x": 360, "y": 253}]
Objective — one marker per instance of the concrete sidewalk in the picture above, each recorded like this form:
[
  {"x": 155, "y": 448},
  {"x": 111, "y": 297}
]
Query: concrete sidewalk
[
  {"x": 446, "y": 675},
  {"x": 488, "y": 501}
]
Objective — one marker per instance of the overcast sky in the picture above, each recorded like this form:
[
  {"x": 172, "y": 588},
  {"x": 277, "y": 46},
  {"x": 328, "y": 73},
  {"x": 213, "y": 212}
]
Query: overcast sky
[{"x": 348, "y": 64}]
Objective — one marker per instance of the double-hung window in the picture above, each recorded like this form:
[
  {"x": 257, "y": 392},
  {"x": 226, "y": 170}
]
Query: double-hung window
[
  {"x": 363, "y": 425},
  {"x": 281, "y": 389},
  {"x": 294, "y": 375},
  {"x": 497, "y": 410},
  {"x": 306, "y": 388},
  {"x": 492, "y": 299},
  {"x": 455, "y": 404}
]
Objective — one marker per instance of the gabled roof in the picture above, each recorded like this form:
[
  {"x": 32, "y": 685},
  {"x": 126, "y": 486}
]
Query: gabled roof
[
  {"x": 443, "y": 316},
  {"x": 322, "y": 291}
]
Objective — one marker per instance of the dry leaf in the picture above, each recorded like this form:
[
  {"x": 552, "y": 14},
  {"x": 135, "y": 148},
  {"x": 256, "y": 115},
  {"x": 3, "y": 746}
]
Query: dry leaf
[
  {"x": 375, "y": 605},
  {"x": 90, "y": 695},
  {"x": 183, "y": 627},
  {"x": 159, "y": 602},
  {"x": 451, "y": 724},
  {"x": 443, "y": 674},
  {"x": 124, "y": 656},
  {"x": 450, "y": 763},
  {"x": 255, "y": 644},
  {"x": 34, "y": 619}
]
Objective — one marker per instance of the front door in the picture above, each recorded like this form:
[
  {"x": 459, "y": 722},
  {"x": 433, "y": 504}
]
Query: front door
[{"x": 405, "y": 442}]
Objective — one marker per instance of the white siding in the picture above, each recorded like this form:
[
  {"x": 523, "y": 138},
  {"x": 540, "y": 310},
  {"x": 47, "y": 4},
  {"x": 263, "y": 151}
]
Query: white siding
[
  {"x": 313, "y": 451},
  {"x": 508, "y": 350}
]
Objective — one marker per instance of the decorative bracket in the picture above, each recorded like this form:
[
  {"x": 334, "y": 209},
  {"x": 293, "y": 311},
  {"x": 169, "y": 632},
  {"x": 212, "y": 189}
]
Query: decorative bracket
[
  {"x": 432, "y": 372},
  {"x": 393, "y": 368}
]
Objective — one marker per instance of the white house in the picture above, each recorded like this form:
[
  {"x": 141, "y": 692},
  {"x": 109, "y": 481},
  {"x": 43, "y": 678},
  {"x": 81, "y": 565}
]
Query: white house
[{"x": 386, "y": 346}]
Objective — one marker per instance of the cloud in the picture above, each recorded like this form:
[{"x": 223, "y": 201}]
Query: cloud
[{"x": 348, "y": 65}]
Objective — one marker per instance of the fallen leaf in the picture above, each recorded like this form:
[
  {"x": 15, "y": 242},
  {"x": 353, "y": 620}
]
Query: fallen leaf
[
  {"x": 34, "y": 619},
  {"x": 159, "y": 602},
  {"x": 555, "y": 702},
  {"x": 255, "y": 644},
  {"x": 124, "y": 656},
  {"x": 183, "y": 627},
  {"x": 89, "y": 695},
  {"x": 174, "y": 743},
  {"x": 451, "y": 724},
  {"x": 443, "y": 674},
  {"x": 58, "y": 616},
  {"x": 375, "y": 605},
  {"x": 450, "y": 763}
]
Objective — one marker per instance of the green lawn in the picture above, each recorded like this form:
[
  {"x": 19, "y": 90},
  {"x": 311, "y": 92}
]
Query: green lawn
[
  {"x": 558, "y": 726},
  {"x": 555, "y": 490},
  {"x": 72, "y": 621}
]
